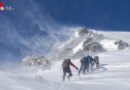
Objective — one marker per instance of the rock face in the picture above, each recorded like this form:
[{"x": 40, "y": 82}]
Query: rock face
[
  {"x": 92, "y": 46},
  {"x": 82, "y": 31},
  {"x": 84, "y": 42},
  {"x": 77, "y": 45},
  {"x": 121, "y": 44},
  {"x": 89, "y": 34},
  {"x": 36, "y": 61}
]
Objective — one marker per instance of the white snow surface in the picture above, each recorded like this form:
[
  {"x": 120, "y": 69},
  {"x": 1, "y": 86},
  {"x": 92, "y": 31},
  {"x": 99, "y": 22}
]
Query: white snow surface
[
  {"x": 109, "y": 45},
  {"x": 114, "y": 74},
  {"x": 77, "y": 48}
]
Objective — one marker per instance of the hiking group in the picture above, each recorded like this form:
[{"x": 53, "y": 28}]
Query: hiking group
[{"x": 87, "y": 64}]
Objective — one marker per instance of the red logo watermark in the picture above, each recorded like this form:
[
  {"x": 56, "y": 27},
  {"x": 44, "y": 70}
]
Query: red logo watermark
[
  {"x": 2, "y": 8},
  {"x": 1, "y": 4}
]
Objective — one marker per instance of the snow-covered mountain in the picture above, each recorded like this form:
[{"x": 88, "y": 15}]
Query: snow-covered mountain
[
  {"x": 85, "y": 42},
  {"x": 113, "y": 74}
]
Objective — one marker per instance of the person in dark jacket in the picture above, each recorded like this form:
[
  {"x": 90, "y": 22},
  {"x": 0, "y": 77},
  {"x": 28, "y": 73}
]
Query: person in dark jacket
[
  {"x": 91, "y": 60},
  {"x": 66, "y": 68},
  {"x": 84, "y": 64},
  {"x": 96, "y": 59}
]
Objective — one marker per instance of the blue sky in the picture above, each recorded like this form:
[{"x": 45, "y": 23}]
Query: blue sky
[
  {"x": 34, "y": 25},
  {"x": 98, "y": 14}
]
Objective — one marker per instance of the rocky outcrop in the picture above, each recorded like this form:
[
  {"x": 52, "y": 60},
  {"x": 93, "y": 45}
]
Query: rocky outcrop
[
  {"x": 92, "y": 46},
  {"x": 70, "y": 48},
  {"x": 82, "y": 31},
  {"x": 89, "y": 33},
  {"x": 36, "y": 61},
  {"x": 121, "y": 44}
]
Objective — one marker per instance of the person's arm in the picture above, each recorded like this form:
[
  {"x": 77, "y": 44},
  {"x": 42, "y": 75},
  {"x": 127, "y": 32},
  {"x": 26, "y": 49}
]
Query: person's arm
[{"x": 73, "y": 65}]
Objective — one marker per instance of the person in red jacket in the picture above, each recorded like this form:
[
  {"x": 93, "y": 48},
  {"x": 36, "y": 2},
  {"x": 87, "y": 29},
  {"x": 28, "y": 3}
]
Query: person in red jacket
[{"x": 66, "y": 68}]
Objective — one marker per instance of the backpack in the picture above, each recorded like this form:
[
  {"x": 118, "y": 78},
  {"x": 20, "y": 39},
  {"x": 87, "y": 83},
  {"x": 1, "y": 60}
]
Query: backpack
[
  {"x": 84, "y": 59},
  {"x": 66, "y": 63}
]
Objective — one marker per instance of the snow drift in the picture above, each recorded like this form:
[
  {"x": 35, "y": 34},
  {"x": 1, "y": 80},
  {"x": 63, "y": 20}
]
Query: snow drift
[{"x": 113, "y": 74}]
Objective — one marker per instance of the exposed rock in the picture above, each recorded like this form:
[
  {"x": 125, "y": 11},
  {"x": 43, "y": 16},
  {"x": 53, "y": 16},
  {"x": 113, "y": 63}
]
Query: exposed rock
[
  {"x": 92, "y": 46},
  {"x": 66, "y": 49},
  {"x": 121, "y": 44},
  {"x": 98, "y": 37},
  {"x": 36, "y": 61},
  {"x": 82, "y": 31}
]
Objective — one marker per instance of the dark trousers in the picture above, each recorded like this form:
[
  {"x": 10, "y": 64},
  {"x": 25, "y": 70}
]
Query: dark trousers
[
  {"x": 92, "y": 65},
  {"x": 84, "y": 67},
  {"x": 97, "y": 64},
  {"x": 65, "y": 71}
]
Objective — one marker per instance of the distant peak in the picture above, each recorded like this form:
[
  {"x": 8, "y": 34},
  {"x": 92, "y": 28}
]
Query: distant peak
[{"x": 82, "y": 31}]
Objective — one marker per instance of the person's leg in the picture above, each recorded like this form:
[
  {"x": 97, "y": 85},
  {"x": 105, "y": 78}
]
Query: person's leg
[
  {"x": 92, "y": 68},
  {"x": 98, "y": 65},
  {"x": 70, "y": 75},
  {"x": 64, "y": 75},
  {"x": 92, "y": 65},
  {"x": 80, "y": 68},
  {"x": 87, "y": 67}
]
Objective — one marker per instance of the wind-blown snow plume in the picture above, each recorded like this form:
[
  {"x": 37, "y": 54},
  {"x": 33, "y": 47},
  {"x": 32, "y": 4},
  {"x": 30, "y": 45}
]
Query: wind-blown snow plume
[
  {"x": 29, "y": 31},
  {"x": 85, "y": 42}
]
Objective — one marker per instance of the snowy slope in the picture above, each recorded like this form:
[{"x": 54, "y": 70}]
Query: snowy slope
[
  {"x": 73, "y": 46},
  {"x": 114, "y": 74}
]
